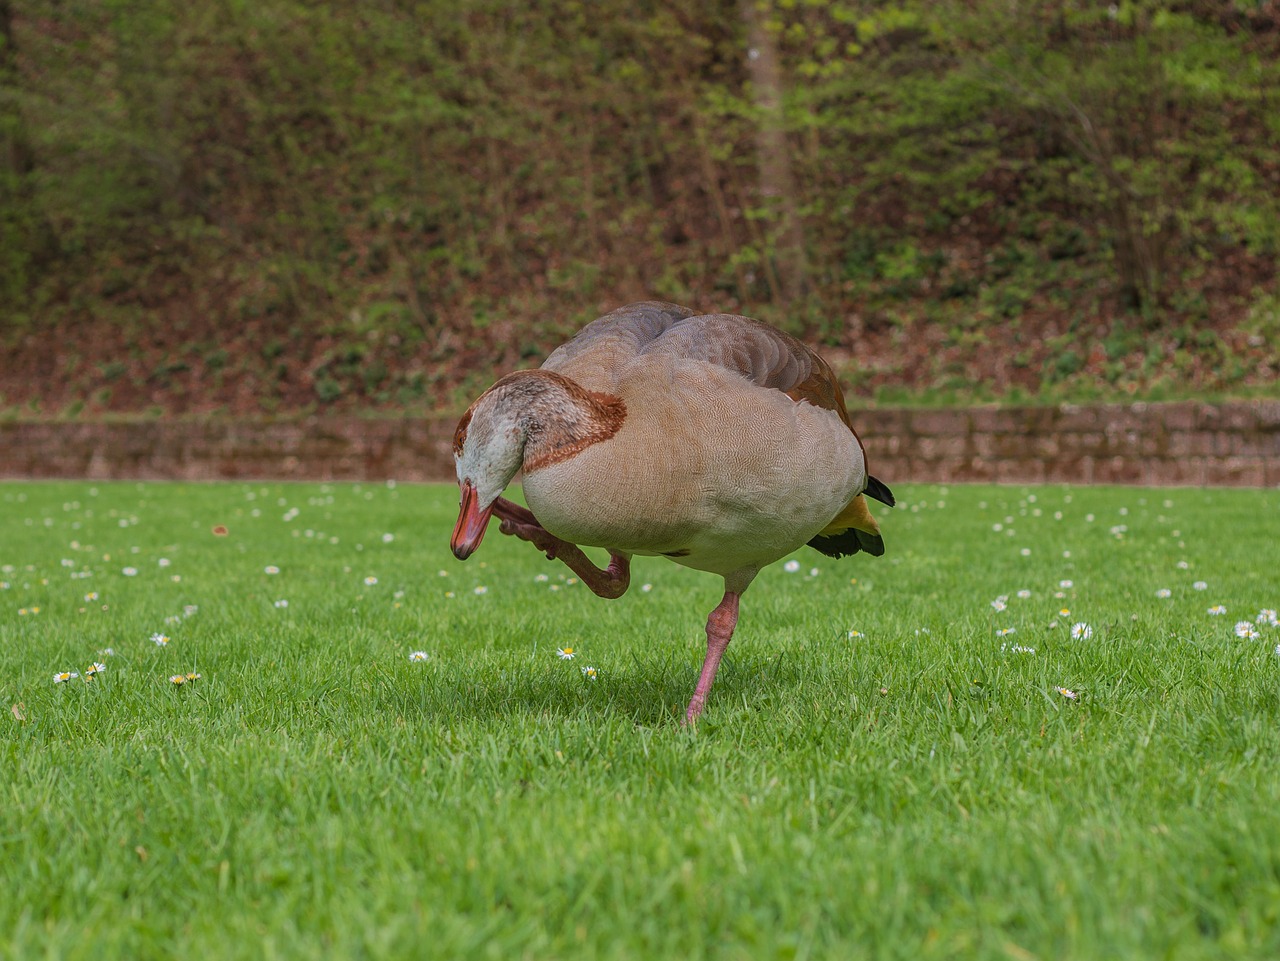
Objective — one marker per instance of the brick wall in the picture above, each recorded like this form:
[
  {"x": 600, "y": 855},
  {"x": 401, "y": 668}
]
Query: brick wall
[{"x": 1182, "y": 443}]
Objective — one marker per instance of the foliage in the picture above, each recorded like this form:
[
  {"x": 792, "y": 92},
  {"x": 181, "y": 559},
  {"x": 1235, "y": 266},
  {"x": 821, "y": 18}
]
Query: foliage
[{"x": 474, "y": 180}]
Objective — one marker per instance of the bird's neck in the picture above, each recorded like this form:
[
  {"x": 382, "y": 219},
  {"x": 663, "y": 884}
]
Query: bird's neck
[{"x": 559, "y": 416}]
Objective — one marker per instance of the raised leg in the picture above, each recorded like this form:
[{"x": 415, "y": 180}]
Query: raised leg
[
  {"x": 519, "y": 522},
  {"x": 720, "y": 625}
]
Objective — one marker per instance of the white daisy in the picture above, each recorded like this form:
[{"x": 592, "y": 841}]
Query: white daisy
[
  {"x": 370, "y": 581},
  {"x": 1200, "y": 586},
  {"x": 999, "y": 604},
  {"x": 271, "y": 569},
  {"x": 417, "y": 656},
  {"x": 791, "y": 566},
  {"x": 160, "y": 640},
  {"x": 1246, "y": 630},
  {"x": 1081, "y": 631},
  {"x": 1217, "y": 609},
  {"x": 480, "y": 589},
  {"x": 590, "y": 673},
  {"x": 64, "y": 677},
  {"x": 1067, "y": 693},
  {"x": 565, "y": 653},
  {"x": 1164, "y": 592},
  {"x": 1005, "y": 631}
]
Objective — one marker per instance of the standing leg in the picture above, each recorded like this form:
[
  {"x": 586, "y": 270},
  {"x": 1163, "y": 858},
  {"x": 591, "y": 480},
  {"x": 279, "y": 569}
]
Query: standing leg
[{"x": 720, "y": 625}]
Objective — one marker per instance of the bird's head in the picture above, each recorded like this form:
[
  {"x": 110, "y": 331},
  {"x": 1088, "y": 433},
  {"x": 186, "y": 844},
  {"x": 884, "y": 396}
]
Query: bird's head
[{"x": 488, "y": 449}]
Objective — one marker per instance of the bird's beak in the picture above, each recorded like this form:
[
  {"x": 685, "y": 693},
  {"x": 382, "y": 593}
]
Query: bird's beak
[{"x": 472, "y": 523}]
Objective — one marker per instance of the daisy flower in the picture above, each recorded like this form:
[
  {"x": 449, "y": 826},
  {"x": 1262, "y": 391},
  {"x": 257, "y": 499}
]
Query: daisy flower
[
  {"x": 1217, "y": 609},
  {"x": 1246, "y": 630},
  {"x": 999, "y": 604},
  {"x": 480, "y": 589},
  {"x": 107, "y": 652},
  {"x": 64, "y": 677},
  {"x": 282, "y": 603},
  {"x": 1067, "y": 693},
  {"x": 590, "y": 673},
  {"x": 1200, "y": 586},
  {"x": 1024, "y": 594},
  {"x": 1005, "y": 631},
  {"x": 130, "y": 572},
  {"x": 370, "y": 581},
  {"x": 177, "y": 679},
  {"x": 1164, "y": 592},
  {"x": 95, "y": 668},
  {"x": 1267, "y": 616},
  {"x": 1066, "y": 585},
  {"x": 565, "y": 653},
  {"x": 1064, "y": 612},
  {"x": 194, "y": 675},
  {"x": 853, "y": 634},
  {"x": 91, "y": 596},
  {"x": 791, "y": 566},
  {"x": 1081, "y": 631},
  {"x": 160, "y": 640},
  {"x": 418, "y": 656},
  {"x": 271, "y": 569},
  {"x": 388, "y": 538},
  {"x": 646, "y": 588}
]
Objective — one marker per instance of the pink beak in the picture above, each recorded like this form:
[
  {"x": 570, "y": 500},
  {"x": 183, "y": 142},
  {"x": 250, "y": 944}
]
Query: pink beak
[{"x": 472, "y": 523}]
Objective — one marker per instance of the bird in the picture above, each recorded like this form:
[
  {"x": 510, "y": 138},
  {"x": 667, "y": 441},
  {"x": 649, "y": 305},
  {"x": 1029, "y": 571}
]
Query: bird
[{"x": 715, "y": 440}]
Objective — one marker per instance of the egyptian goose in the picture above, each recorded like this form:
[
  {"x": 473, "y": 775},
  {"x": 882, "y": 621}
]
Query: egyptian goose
[{"x": 714, "y": 440}]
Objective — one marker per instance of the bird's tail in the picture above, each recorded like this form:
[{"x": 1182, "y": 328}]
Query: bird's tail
[{"x": 854, "y": 528}]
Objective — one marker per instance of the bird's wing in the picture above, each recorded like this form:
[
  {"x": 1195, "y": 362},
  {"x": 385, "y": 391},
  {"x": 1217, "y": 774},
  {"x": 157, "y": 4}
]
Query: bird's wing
[
  {"x": 604, "y": 345},
  {"x": 764, "y": 355}
]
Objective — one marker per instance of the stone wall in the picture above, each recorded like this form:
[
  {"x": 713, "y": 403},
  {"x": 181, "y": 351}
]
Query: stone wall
[{"x": 1181, "y": 443}]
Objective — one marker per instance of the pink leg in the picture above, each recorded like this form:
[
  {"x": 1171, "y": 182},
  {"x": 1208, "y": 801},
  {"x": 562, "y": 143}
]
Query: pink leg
[
  {"x": 519, "y": 522},
  {"x": 720, "y": 625}
]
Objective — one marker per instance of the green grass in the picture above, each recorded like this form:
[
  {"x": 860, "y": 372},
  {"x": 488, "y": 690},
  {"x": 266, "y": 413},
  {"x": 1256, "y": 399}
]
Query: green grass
[{"x": 915, "y": 792}]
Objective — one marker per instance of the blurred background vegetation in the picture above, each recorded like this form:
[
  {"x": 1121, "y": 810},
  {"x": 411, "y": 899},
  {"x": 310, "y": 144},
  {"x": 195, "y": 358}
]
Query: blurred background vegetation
[{"x": 276, "y": 207}]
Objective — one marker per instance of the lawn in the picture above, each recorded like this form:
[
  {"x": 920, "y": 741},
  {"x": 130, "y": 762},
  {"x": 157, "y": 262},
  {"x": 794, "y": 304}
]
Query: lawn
[{"x": 1019, "y": 734}]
